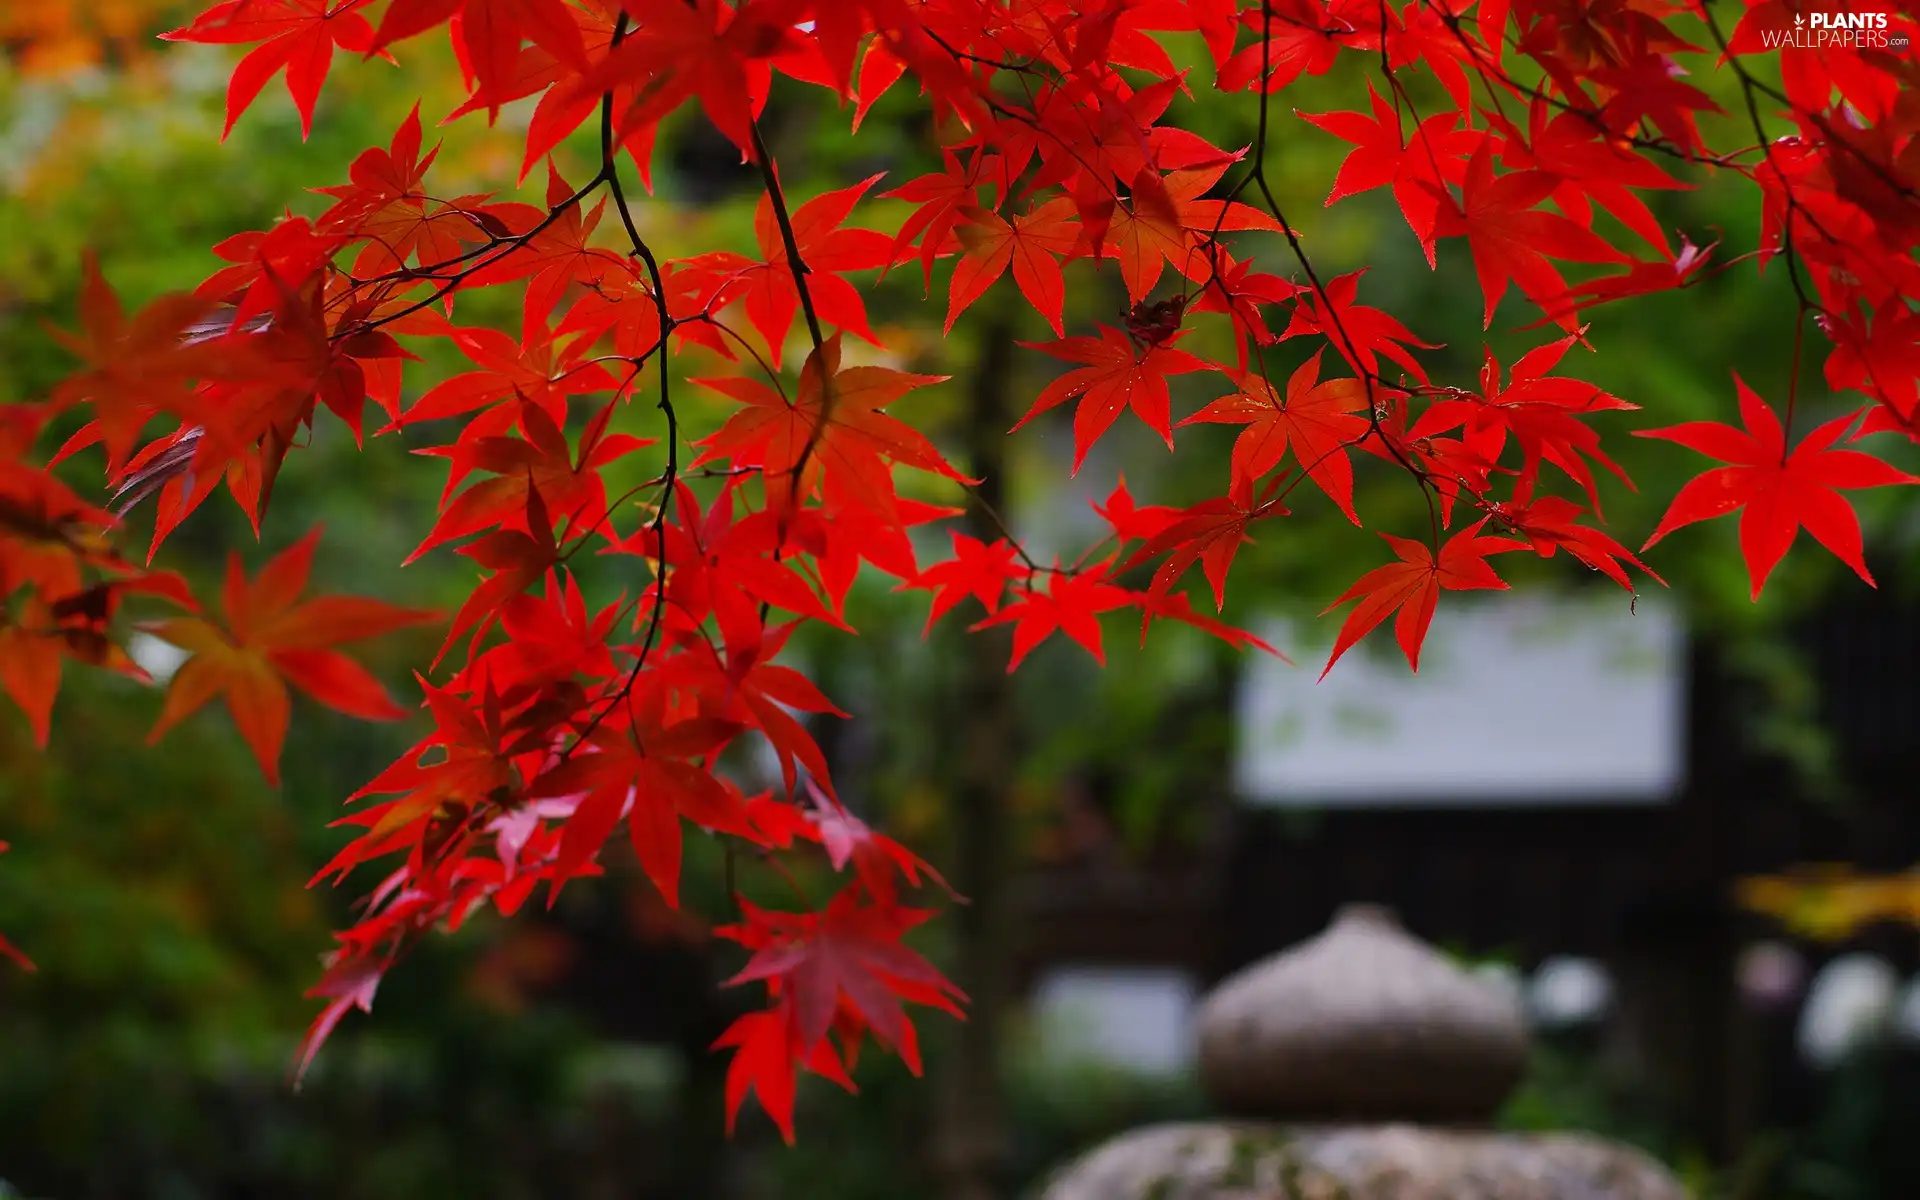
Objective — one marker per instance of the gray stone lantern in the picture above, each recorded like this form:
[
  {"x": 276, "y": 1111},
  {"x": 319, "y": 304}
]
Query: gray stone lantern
[{"x": 1359, "y": 1065}]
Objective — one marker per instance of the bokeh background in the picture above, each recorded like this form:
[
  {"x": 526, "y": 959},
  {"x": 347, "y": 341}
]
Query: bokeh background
[{"x": 1680, "y": 824}]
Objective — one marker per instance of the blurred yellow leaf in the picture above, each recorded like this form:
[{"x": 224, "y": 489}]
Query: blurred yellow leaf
[{"x": 1827, "y": 902}]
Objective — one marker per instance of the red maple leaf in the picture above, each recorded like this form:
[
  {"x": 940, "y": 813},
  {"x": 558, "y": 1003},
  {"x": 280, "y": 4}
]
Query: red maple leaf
[
  {"x": 750, "y": 688},
  {"x": 1117, "y": 376},
  {"x": 50, "y": 628},
  {"x": 466, "y": 759},
  {"x": 1639, "y": 279},
  {"x": 570, "y": 491},
  {"x": 876, "y": 858},
  {"x": 51, "y": 534},
  {"x": 1510, "y": 239},
  {"x": 945, "y": 199},
  {"x": 1030, "y": 243},
  {"x": 1240, "y": 291},
  {"x": 1072, "y": 603},
  {"x": 1547, "y": 522},
  {"x": 767, "y": 286},
  {"x": 1647, "y": 88},
  {"x": 1383, "y": 155},
  {"x": 1168, "y": 222},
  {"x": 1315, "y": 418},
  {"x": 349, "y": 982},
  {"x": 488, "y": 34},
  {"x": 1434, "y": 35},
  {"x": 1209, "y": 533},
  {"x": 385, "y": 206},
  {"x": 706, "y": 50},
  {"x": 727, "y": 566},
  {"x": 1175, "y": 606},
  {"x": 837, "y": 29},
  {"x": 851, "y": 951},
  {"x": 270, "y": 640},
  {"x": 1360, "y": 333},
  {"x": 516, "y": 558},
  {"x": 1591, "y": 169},
  {"x": 1130, "y": 522},
  {"x": 1413, "y": 585},
  {"x": 843, "y": 536},
  {"x": 834, "y": 430},
  {"x": 1306, "y": 35},
  {"x": 561, "y": 109},
  {"x": 135, "y": 369},
  {"x": 523, "y": 368},
  {"x": 1777, "y": 493},
  {"x": 766, "y": 1061},
  {"x": 555, "y": 260},
  {"x": 641, "y": 768},
  {"x": 1542, "y": 412},
  {"x": 976, "y": 569},
  {"x": 1879, "y": 357},
  {"x": 297, "y": 36}
]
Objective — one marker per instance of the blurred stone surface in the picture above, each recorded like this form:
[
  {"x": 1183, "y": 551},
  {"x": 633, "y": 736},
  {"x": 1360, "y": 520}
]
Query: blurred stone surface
[
  {"x": 1263, "y": 1161},
  {"x": 1362, "y": 1023},
  {"x": 1360, "y": 1065}
]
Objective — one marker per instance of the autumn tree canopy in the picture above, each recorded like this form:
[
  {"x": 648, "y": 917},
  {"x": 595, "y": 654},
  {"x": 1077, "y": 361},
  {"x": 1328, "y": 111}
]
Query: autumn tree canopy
[{"x": 1522, "y": 136}]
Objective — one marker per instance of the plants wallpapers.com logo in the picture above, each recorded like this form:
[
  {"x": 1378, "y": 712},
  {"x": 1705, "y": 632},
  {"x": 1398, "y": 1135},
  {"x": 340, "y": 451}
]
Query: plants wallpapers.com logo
[{"x": 1847, "y": 30}]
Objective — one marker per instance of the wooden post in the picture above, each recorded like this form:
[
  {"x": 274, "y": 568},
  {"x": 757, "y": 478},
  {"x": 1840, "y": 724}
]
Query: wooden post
[{"x": 971, "y": 1148}]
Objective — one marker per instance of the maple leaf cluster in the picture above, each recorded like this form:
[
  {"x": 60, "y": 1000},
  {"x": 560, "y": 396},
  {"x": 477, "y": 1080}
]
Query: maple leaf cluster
[{"x": 554, "y": 722}]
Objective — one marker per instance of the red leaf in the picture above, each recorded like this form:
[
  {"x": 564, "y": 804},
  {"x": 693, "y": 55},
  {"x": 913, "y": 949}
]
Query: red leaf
[
  {"x": 135, "y": 369},
  {"x": 1167, "y": 222},
  {"x": 976, "y": 570},
  {"x": 642, "y": 768},
  {"x": 1777, "y": 493},
  {"x": 1117, "y": 376},
  {"x": 876, "y": 858},
  {"x": 1543, "y": 413},
  {"x": 269, "y": 640},
  {"x": 1130, "y": 523},
  {"x": 1315, "y": 419},
  {"x": 849, "y": 951},
  {"x": 349, "y": 982},
  {"x": 491, "y": 32},
  {"x": 297, "y": 36},
  {"x": 1414, "y": 167},
  {"x": 834, "y": 428},
  {"x": 764, "y": 1062},
  {"x": 1209, "y": 533},
  {"x": 570, "y": 491},
  {"x": 1548, "y": 524},
  {"x": 1072, "y": 603},
  {"x": 1879, "y": 358},
  {"x": 772, "y": 298},
  {"x": 1359, "y": 333},
  {"x": 1413, "y": 585},
  {"x": 706, "y": 50},
  {"x": 1175, "y": 606},
  {"x": 1510, "y": 240},
  {"x": 1031, "y": 243}
]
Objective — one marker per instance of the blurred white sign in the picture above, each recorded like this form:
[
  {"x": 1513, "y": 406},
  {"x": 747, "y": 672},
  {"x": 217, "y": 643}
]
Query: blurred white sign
[
  {"x": 1520, "y": 700},
  {"x": 1137, "y": 1018}
]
